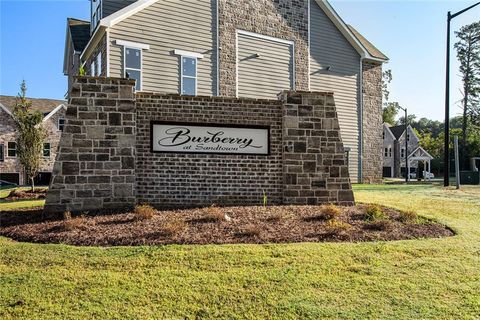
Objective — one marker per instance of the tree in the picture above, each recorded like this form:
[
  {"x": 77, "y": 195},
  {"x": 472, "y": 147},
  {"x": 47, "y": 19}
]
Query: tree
[
  {"x": 390, "y": 112},
  {"x": 411, "y": 119},
  {"x": 468, "y": 53},
  {"x": 31, "y": 135}
]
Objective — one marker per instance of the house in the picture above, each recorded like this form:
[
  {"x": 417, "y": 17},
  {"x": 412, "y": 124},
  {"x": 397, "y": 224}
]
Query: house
[
  {"x": 242, "y": 48},
  {"x": 394, "y": 152},
  {"x": 10, "y": 168}
]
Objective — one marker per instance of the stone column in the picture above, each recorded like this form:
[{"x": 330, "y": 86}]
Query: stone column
[
  {"x": 314, "y": 161},
  {"x": 95, "y": 164}
]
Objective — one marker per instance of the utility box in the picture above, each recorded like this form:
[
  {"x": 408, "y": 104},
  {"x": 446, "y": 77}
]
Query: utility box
[{"x": 470, "y": 177}]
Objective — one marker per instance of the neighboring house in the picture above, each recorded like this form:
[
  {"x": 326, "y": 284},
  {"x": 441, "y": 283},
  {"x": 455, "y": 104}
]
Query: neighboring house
[
  {"x": 394, "y": 150},
  {"x": 10, "y": 168},
  {"x": 242, "y": 48}
]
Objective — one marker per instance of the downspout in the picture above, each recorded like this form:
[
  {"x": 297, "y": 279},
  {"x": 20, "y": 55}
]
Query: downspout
[
  {"x": 107, "y": 73},
  {"x": 360, "y": 129}
]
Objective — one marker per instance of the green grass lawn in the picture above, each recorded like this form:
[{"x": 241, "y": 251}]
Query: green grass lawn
[
  {"x": 22, "y": 204},
  {"x": 416, "y": 279}
]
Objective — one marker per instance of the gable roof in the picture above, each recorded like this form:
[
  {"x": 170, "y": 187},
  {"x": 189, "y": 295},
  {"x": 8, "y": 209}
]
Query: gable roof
[
  {"x": 397, "y": 131},
  {"x": 423, "y": 153},
  {"x": 80, "y": 33},
  {"x": 386, "y": 126},
  {"x": 365, "y": 48},
  {"x": 45, "y": 106}
]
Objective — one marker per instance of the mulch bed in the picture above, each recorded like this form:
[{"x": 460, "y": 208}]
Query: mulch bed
[
  {"x": 17, "y": 194},
  {"x": 280, "y": 224}
]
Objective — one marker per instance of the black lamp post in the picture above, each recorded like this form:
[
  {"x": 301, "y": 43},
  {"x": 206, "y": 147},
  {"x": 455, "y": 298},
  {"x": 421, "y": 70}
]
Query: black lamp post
[
  {"x": 406, "y": 144},
  {"x": 446, "y": 164}
]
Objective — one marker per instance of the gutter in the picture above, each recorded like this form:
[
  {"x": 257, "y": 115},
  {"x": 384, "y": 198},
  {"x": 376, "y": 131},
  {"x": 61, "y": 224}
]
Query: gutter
[{"x": 360, "y": 120}]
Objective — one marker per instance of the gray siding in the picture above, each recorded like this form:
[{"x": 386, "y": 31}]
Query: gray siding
[
  {"x": 330, "y": 48},
  {"x": 268, "y": 74},
  {"x": 166, "y": 26},
  {"x": 112, "y": 6}
]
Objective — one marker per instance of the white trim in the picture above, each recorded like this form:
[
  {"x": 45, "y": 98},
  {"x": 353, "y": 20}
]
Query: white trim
[
  {"x": 93, "y": 40},
  {"x": 141, "y": 65},
  {"x": 190, "y": 77},
  {"x": 58, "y": 123},
  {"x": 126, "y": 12},
  {"x": 16, "y": 150},
  {"x": 60, "y": 106},
  {"x": 188, "y": 54},
  {"x": 293, "y": 86},
  {"x": 92, "y": 68},
  {"x": 309, "y": 17},
  {"x": 6, "y": 110},
  {"x": 423, "y": 150},
  {"x": 98, "y": 71},
  {"x": 264, "y": 37},
  {"x": 133, "y": 45},
  {"x": 218, "y": 48},
  {"x": 107, "y": 72},
  {"x": 236, "y": 64},
  {"x": 49, "y": 150}
]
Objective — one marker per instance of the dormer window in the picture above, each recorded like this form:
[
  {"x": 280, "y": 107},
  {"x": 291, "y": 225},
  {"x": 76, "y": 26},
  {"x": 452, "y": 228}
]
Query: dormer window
[{"x": 96, "y": 14}]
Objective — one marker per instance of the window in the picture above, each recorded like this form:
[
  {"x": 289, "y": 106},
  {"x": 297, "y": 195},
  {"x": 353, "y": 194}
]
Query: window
[
  {"x": 189, "y": 76},
  {"x": 402, "y": 153},
  {"x": 408, "y": 137},
  {"x": 99, "y": 65},
  {"x": 92, "y": 69},
  {"x": 133, "y": 66},
  {"x": 2, "y": 157},
  {"x": 390, "y": 152},
  {"x": 96, "y": 12},
  {"x": 386, "y": 152},
  {"x": 12, "y": 149},
  {"x": 46, "y": 149},
  {"x": 383, "y": 135},
  {"x": 61, "y": 124}
]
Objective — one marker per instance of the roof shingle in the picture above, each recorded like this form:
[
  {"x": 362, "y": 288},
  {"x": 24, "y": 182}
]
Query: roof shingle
[
  {"x": 80, "y": 32},
  {"x": 45, "y": 106}
]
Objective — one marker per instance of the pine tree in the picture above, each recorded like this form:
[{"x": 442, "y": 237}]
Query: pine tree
[{"x": 31, "y": 135}]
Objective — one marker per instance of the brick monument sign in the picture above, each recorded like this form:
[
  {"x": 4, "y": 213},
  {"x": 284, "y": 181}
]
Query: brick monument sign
[{"x": 121, "y": 148}]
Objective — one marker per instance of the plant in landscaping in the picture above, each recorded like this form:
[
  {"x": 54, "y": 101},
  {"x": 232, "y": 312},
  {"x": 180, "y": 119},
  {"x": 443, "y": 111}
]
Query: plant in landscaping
[
  {"x": 70, "y": 223},
  {"x": 407, "y": 216},
  {"x": 330, "y": 212},
  {"x": 379, "y": 225},
  {"x": 213, "y": 214},
  {"x": 335, "y": 226},
  {"x": 374, "y": 212},
  {"x": 174, "y": 227},
  {"x": 31, "y": 135},
  {"x": 250, "y": 231},
  {"x": 144, "y": 212}
]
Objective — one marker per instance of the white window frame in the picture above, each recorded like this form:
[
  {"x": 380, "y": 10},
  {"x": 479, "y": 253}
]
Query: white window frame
[
  {"x": 58, "y": 124},
  {"x": 49, "y": 149},
  {"x": 8, "y": 149},
  {"x": 92, "y": 69},
  {"x": 125, "y": 47},
  {"x": 2, "y": 152},
  {"x": 99, "y": 65},
  {"x": 190, "y": 77},
  {"x": 96, "y": 14}
]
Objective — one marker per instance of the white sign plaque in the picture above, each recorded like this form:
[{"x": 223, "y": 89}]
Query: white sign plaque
[{"x": 209, "y": 138}]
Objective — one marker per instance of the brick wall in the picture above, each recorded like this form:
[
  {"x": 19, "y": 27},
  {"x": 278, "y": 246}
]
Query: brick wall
[
  {"x": 105, "y": 160},
  {"x": 284, "y": 19},
  {"x": 372, "y": 164},
  {"x": 95, "y": 164},
  {"x": 315, "y": 167}
]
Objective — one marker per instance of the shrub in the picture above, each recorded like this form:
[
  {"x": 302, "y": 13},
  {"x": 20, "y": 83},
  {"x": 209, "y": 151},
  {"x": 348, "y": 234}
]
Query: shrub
[
  {"x": 408, "y": 217},
  {"x": 174, "y": 227},
  {"x": 379, "y": 225},
  {"x": 335, "y": 226},
  {"x": 70, "y": 223},
  {"x": 250, "y": 231},
  {"x": 144, "y": 212},
  {"x": 275, "y": 217},
  {"x": 331, "y": 211},
  {"x": 374, "y": 212},
  {"x": 67, "y": 215},
  {"x": 15, "y": 193},
  {"x": 213, "y": 214}
]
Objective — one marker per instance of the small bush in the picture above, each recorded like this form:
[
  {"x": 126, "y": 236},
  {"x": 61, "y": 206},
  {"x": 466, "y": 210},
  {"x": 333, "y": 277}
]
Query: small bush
[
  {"x": 275, "y": 217},
  {"x": 335, "y": 226},
  {"x": 213, "y": 214},
  {"x": 144, "y": 212},
  {"x": 331, "y": 211},
  {"x": 174, "y": 227},
  {"x": 250, "y": 231},
  {"x": 15, "y": 193},
  {"x": 408, "y": 217},
  {"x": 374, "y": 212},
  {"x": 74, "y": 223},
  {"x": 67, "y": 215},
  {"x": 379, "y": 225}
]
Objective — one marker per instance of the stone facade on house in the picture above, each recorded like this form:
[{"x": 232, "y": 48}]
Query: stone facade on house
[
  {"x": 9, "y": 133},
  {"x": 283, "y": 19},
  {"x": 372, "y": 160},
  {"x": 105, "y": 158}
]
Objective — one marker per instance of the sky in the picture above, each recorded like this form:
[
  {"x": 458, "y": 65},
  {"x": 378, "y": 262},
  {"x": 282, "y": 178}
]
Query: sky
[{"x": 411, "y": 33}]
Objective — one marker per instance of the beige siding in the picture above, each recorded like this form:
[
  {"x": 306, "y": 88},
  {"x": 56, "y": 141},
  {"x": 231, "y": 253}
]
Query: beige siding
[
  {"x": 166, "y": 26},
  {"x": 268, "y": 74},
  {"x": 330, "y": 48},
  {"x": 112, "y": 6}
]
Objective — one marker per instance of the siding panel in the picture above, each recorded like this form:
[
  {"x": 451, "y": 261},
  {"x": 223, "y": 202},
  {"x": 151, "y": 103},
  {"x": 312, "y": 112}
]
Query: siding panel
[
  {"x": 330, "y": 48},
  {"x": 264, "y": 76},
  {"x": 112, "y": 6},
  {"x": 166, "y": 26}
]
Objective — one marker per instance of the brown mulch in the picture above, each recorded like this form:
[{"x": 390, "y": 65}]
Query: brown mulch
[
  {"x": 17, "y": 194},
  {"x": 279, "y": 224}
]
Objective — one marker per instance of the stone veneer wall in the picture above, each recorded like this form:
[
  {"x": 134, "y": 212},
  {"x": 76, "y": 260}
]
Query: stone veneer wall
[
  {"x": 95, "y": 164},
  {"x": 105, "y": 159},
  {"x": 372, "y": 156},
  {"x": 284, "y": 19},
  {"x": 186, "y": 180},
  {"x": 315, "y": 166}
]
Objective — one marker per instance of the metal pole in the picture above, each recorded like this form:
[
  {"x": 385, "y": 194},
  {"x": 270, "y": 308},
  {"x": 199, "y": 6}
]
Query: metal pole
[
  {"x": 407, "y": 169},
  {"x": 446, "y": 159},
  {"x": 457, "y": 164}
]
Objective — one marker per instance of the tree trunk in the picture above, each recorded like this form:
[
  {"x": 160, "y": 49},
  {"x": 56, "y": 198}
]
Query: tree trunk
[
  {"x": 464, "y": 130},
  {"x": 32, "y": 184}
]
